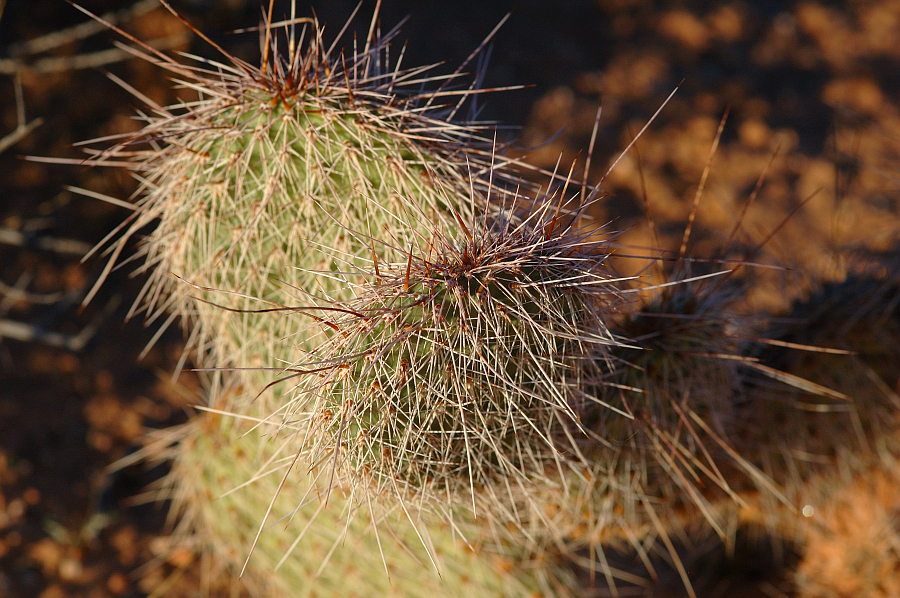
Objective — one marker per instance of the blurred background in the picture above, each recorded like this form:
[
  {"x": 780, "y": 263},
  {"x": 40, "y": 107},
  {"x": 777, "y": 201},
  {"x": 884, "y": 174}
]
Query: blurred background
[{"x": 812, "y": 91}]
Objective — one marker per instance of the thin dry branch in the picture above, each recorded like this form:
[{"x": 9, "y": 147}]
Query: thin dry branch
[{"x": 56, "y": 64}]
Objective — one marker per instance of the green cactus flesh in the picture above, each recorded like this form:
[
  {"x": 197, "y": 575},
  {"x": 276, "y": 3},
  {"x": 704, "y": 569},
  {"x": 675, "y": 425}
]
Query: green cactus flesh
[
  {"x": 264, "y": 207},
  {"x": 227, "y": 474}
]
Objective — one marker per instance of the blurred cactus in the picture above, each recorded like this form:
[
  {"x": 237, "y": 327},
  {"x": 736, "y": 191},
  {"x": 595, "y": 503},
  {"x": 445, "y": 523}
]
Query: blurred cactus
[
  {"x": 847, "y": 336},
  {"x": 225, "y": 472}
]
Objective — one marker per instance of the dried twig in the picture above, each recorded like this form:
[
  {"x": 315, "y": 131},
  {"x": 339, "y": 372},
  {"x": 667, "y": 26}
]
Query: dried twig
[
  {"x": 21, "y": 331},
  {"x": 23, "y": 128},
  {"x": 56, "y": 39},
  {"x": 11, "y": 236},
  {"x": 57, "y": 64},
  {"x": 18, "y": 134},
  {"x": 15, "y": 293}
]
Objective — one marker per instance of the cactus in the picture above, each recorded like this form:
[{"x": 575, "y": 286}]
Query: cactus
[
  {"x": 278, "y": 179},
  {"x": 423, "y": 363},
  {"x": 847, "y": 333},
  {"x": 320, "y": 220},
  {"x": 462, "y": 371},
  {"x": 224, "y": 473},
  {"x": 658, "y": 451}
]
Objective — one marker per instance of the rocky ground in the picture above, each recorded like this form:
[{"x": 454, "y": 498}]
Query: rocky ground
[{"x": 811, "y": 87}]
